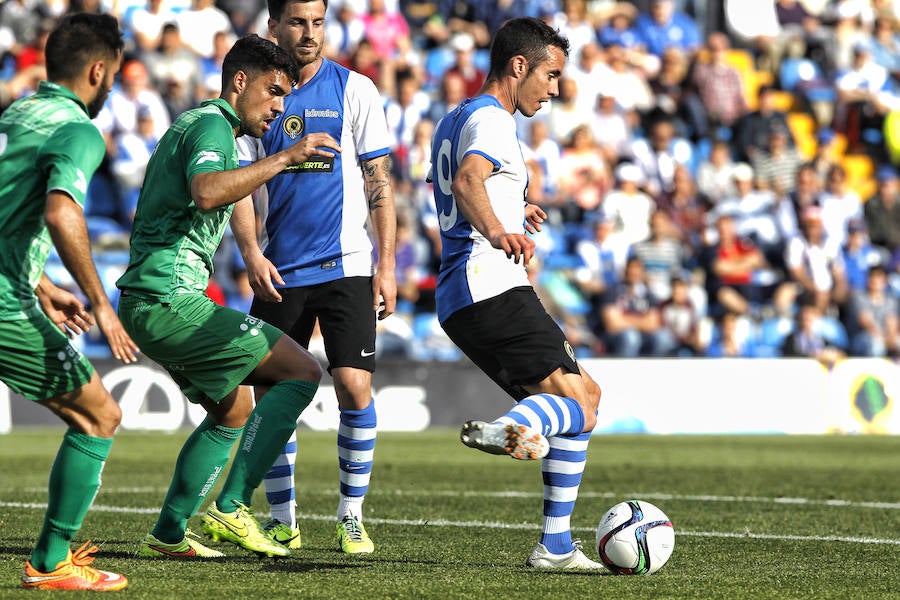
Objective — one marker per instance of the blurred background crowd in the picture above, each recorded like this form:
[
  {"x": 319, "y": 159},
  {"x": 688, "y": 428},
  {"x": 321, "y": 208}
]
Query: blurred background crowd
[{"x": 720, "y": 177}]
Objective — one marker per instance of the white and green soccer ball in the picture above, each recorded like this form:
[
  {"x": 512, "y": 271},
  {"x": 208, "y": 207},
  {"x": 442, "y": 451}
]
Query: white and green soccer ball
[{"x": 635, "y": 538}]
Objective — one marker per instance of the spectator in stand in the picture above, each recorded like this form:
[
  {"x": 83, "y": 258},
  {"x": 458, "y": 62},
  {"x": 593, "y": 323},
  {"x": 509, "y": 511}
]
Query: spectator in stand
[
  {"x": 806, "y": 340},
  {"x": 840, "y": 204},
  {"x": 815, "y": 263},
  {"x": 588, "y": 71},
  {"x": 452, "y": 93},
  {"x": 680, "y": 317},
  {"x": 384, "y": 29},
  {"x": 547, "y": 154},
  {"x": 463, "y": 45},
  {"x": 619, "y": 27},
  {"x": 624, "y": 81},
  {"x": 343, "y": 32},
  {"x": 472, "y": 18},
  {"x": 583, "y": 175},
  {"x": 632, "y": 325},
  {"x": 147, "y": 24},
  {"x": 753, "y": 131},
  {"x": 565, "y": 112},
  {"x": 175, "y": 71},
  {"x": 629, "y": 208},
  {"x": 732, "y": 264},
  {"x": 119, "y": 114},
  {"x": 199, "y": 25},
  {"x": 661, "y": 255},
  {"x": 664, "y": 27},
  {"x": 211, "y": 67},
  {"x": 885, "y": 43},
  {"x": 755, "y": 212},
  {"x": 847, "y": 35},
  {"x": 572, "y": 22},
  {"x": 719, "y": 84},
  {"x": 827, "y": 154},
  {"x": 403, "y": 112},
  {"x": 365, "y": 61},
  {"x": 776, "y": 167},
  {"x": 686, "y": 211},
  {"x": 658, "y": 155},
  {"x": 731, "y": 338},
  {"x": 807, "y": 192},
  {"x": 673, "y": 96},
  {"x": 859, "y": 255},
  {"x": 419, "y": 163},
  {"x": 611, "y": 127},
  {"x": 603, "y": 262},
  {"x": 882, "y": 211},
  {"x": 874, "y": 318},
  {"x": 133, "y": 150},
  {"x": 715, "y": 177}
]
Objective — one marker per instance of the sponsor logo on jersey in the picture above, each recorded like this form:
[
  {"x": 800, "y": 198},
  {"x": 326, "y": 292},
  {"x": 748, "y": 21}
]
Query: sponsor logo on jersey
[
  {"x": 327, "y": 113},
  {"x": 293, "y": 126},
  {"x": 207, "y": 156},
  {"x": 329, "y": 265},
  {"x": 316, "y": 164}
]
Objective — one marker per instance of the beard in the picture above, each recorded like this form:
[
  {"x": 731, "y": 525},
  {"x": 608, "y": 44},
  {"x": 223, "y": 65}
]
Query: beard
[{"x": 96, "y": 105}]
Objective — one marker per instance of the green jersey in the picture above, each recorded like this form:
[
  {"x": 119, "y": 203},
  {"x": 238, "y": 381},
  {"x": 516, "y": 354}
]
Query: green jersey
[
  {"x": 172, "y": 240},
  {"x": 47, "y": 143}
]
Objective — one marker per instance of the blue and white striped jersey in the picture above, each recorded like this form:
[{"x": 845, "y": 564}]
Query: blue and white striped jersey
[
  {"x": 314, "y": 215},
  {"x": 471, "y": 269}
]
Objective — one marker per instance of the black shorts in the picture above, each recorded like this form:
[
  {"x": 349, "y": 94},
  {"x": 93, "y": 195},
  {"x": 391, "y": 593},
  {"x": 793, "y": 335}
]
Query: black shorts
[
  {"x": 345, "y": 313},
  {"x": 512, "y": 339}
]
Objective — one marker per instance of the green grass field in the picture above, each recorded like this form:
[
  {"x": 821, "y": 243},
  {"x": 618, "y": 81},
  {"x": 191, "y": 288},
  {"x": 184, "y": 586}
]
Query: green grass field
[{"x": 756, "y": 517}]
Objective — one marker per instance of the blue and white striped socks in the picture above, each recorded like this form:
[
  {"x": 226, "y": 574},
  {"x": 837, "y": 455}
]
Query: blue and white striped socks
[
  {"x": 280, "y": 484},
  {"x": 562, "y": 469},
  {"x": 356, "y": 451},
  {"x": 561, "y": 420}
]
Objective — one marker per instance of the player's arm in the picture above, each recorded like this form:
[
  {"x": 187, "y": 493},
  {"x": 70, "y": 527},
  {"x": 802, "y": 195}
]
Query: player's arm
[
  {"x": 260, "y": 271},
  {"x": 68, "y": 230},
  {"x": 472, "y": 199},
  {"x": 383, "y": 214},
  {"x": 216, "y": 188}
]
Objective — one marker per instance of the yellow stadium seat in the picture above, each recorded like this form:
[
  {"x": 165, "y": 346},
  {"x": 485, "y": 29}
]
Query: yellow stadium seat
[
  {"x": 860, "y": 174},
  {"x": 803, "y": 127}
]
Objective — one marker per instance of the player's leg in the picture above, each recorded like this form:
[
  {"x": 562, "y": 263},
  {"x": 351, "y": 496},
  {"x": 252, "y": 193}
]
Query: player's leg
[
  {"x": 60, "y": 378},
  {"x": 293, "y": 376},
  {"x": 344, "y": 309},
  {"x": 287, "y": 315},
  {"x": 561, "y": 471},
  {"x": 202, "y": 459}
]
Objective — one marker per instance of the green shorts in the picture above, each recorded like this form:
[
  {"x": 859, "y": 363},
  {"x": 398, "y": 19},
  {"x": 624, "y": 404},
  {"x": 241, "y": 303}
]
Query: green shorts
[
  {"x": 38, "y": 361},
  {"x": 208, "y": 349}
]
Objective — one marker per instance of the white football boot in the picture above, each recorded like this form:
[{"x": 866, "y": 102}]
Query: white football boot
[
  {"x": 541, "y": 558},
  {"x": 518, "y": 441}
]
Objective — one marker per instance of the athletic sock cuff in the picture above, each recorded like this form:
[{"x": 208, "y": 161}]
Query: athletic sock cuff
[{"x": 95, "y": 447}]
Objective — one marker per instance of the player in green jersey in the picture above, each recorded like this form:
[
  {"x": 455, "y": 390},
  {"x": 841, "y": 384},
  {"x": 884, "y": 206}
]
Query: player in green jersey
[
  {"x": 191, "y": 188},
  {"x": 49, "y": 150}
]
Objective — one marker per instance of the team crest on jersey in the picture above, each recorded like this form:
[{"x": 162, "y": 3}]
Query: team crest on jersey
[
  {"x": 293, "y": 126},
  {"x": 569, "y": 350}
]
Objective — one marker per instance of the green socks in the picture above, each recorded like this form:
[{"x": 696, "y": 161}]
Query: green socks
[
  {"x": 200, "y": 462},
  {"x": 267, "y": 431},
  {"x": 74, "y": 481}
]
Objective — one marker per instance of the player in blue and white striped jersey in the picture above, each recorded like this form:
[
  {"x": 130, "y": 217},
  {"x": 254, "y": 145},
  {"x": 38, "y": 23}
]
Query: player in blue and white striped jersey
[
  {"x": 315, "y": 261},
  {"x": 485, "y": 302}
]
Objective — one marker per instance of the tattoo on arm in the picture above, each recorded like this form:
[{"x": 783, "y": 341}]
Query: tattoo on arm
[{"x": 377, "y": 176}]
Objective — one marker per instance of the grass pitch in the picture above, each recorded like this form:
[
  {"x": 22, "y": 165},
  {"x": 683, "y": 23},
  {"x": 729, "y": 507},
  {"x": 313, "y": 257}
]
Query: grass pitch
[{"x": 755, "y": 517}]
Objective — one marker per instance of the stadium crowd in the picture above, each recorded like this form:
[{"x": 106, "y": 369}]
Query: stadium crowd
[{"x": 720, "y": 178}]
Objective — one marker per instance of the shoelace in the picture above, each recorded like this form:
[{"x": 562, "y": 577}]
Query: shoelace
[
  {"x": 351, "y": 526},
  {"x": 83, "y": 557}
]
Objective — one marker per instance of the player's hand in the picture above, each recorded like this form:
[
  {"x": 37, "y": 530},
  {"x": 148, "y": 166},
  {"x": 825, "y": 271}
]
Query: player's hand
[
  {"x": 534, "y": 216},
  {"x": 313, "y": 144},
  {"x": 122, "y": 346},
  {"x": 66, "y": 311},
  {"x": 384, "y": 291},
  {"x": 260, "y": 274},
  {"x": 517, "y": 246}
]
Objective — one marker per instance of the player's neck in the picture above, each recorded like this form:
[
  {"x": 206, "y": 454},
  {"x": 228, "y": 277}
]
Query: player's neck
[
  {"x": 309, "y": 71},
  {"x": 503, "y": 94}
]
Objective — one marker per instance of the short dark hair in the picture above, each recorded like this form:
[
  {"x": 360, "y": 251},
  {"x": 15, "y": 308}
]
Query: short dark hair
[
  {"x": 78, "y": 39},
  {"x": 527, "y": 36},
  {"x": 276, "y": 7},
  {"x": 255, "y": 56}
]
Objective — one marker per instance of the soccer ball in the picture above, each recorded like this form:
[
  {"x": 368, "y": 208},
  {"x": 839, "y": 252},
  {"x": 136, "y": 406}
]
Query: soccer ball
[{"x": 635, "y": 538}]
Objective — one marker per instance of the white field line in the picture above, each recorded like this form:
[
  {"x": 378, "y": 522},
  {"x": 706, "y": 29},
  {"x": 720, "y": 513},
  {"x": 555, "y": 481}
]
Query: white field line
[
  {"x": 501, "y": 525},
  {"x": 581, "y": 495}
]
